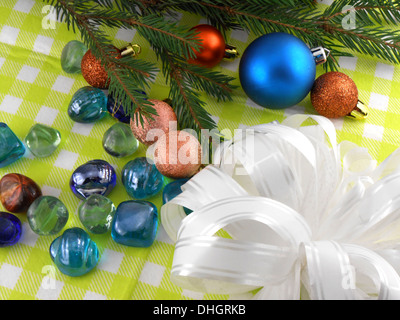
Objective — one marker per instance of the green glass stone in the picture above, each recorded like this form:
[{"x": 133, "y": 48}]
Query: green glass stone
[
  {"x": 42, "y": 140},
  {"x": 119, "y": 140},
  {"x": 71, "y": 56},
  {"x": 96, "y": 213},
  {"x": 47, "y": 215}
]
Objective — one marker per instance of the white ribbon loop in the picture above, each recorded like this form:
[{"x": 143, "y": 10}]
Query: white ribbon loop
[
  {"x": 277, "y": 224},
  {"x": 209, "y": 185},
  {"x": 245, "y": 265},
  {"x": 299, "y": 212},
  {"x": 276, "y": 235},
  {"x": 384, "y": 280},
  {"x": 328, "y": 274}
]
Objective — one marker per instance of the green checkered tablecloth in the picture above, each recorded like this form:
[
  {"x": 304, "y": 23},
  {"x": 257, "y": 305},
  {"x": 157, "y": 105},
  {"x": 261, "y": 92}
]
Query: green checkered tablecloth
[{"x": 34, "y": 88}]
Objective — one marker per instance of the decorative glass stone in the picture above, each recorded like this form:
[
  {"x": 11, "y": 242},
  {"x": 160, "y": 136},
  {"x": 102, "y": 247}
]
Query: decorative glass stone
[
  {"x": 10, "y": 229},
  {"x": 17, "y": 192},
  {"x": 74, "y": 253},
  {"x": 119, "y": 140},
  {"x": 71, "y": 56},
  {"x": 88, "y": 104},
  {"x": 11, "y": 148},
  {"x": 93, "y": 177},
  {"x": 135, "y": 223},
  {"x": 117, "y": 111},
  {"x": 42, "y": 140},
  {"x": 141, "y": 178},
  {"x": 47, "y": 215},
  {"x": 96, "y": 213},
  {"x": 172, "y": 189}
]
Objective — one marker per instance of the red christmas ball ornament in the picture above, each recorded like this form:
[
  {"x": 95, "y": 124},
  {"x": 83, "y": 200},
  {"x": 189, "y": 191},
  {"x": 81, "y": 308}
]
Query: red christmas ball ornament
[{"x": 213, "y": 47}]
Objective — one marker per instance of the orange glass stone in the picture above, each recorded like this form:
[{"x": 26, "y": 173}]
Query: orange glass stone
[{"x": 17, "y": 192}]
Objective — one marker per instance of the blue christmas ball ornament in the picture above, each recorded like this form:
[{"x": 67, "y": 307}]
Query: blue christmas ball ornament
[{"x": 277, "y": 70}]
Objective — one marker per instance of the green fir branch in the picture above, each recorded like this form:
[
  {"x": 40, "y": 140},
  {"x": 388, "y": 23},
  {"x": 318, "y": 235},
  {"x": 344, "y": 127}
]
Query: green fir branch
[{"x": 174, "y": 43}]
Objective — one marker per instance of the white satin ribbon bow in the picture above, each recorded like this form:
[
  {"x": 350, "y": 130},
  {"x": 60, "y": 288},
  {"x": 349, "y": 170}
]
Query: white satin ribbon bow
[{"x": 305, "y": 218}]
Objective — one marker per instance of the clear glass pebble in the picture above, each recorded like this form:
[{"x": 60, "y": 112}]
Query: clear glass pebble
[
  {"x": 42, "y": 140},
  {"x": 96, "y": 213},
  {"x": 71, "y": 56},
  {"x": 119, "y": 140},
  {"x": 47, "y": 215}
]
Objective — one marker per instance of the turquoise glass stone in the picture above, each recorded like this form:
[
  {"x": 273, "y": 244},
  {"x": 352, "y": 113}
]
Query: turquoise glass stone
[
  {"x": 135, "y": 223},
  {"x": 74, "y": 253},
  {"x": 47, "y": 215},
  {"x": 71, "y": 56},
  {"x": 10, "y": 229},
  {"x": 42, "y": 140},
  {"x": 11, "y": 148},
  {"x": 96, "y": 213},
  {"x": 119, "y": 140},
  {"x": 141, "y": 178},
  {"x": 87, "y": 105},
  {"x": 172, "y": 189}
]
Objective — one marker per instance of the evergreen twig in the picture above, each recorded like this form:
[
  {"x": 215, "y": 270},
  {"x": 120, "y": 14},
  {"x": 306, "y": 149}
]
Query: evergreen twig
[{"x": 174, "y": 43}]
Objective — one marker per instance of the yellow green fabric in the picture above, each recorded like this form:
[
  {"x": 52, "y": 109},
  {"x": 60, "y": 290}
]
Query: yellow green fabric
[{"x": 34, "y": 88}]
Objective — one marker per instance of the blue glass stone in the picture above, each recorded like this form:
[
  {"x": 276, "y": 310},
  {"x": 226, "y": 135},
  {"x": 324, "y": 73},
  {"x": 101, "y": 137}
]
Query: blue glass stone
[
  {"x": 117, "y": 111},
  {"x": 88, "y": 104},
  {"x": 11, "y": 148},
  {"x": 10, "y": 229},
  {"x": 74, "y": 253},
  {"x": 172, "y": 189},
  {"x": 93, "y": 177},
  {"x": 141, "y": 178},
  {"x": 135, "y": 223}
]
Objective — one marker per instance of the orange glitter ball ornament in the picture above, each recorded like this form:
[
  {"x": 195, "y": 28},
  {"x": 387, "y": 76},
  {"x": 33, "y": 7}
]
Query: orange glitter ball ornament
[
  {"x": 93, "y": 72},
  {"x": 150, "y": 131},
  {"x": 335, "y": 95},
  {"x": 213, "y": 46},
  {"x": 177, "y": 155}
]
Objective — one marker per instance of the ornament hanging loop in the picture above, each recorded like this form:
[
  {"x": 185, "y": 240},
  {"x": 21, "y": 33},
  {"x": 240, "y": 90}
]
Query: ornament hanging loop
[
  {"x": 131, "y": 49},
  {"x": 231, "y": 52},
  {"x": 360, "y": 112},
  {"x": 320, "y": 55}
]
